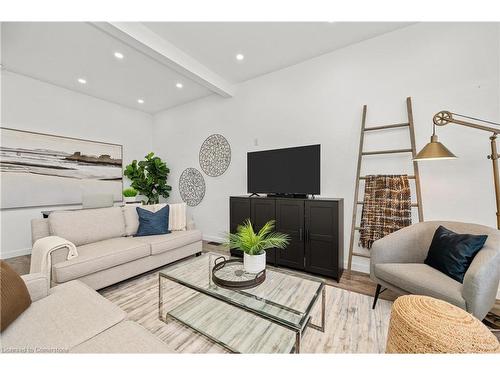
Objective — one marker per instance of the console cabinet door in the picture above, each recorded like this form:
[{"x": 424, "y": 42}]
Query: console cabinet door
[
  {"x": 239, "y": 211},
  {"x": 321, "y": 244},
  {"x": 263, "y": 210},
  {"x": 290, "y": 220}
]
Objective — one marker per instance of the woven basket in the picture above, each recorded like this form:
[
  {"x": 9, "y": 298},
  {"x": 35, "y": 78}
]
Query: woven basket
[{"x": 421, "y": 324}]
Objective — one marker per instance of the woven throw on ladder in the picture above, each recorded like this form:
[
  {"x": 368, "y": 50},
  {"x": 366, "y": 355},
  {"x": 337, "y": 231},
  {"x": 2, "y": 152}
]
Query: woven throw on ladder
[{"x": 386, "y": 207}]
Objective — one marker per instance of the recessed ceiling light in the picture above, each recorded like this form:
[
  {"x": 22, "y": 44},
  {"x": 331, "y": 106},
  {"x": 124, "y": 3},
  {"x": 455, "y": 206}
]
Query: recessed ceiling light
[
  {"x": 119, "y": 55},
  {"x": 140, "y": 101},
  {"x": 83, "y": 81},
  {"x": 240, "y": 57},
  {"x": 179, "y": 85}
]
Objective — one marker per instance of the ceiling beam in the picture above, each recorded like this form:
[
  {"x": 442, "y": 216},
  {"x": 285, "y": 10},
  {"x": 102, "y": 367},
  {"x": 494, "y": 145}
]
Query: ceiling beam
[{"x": 143, "y": 39}]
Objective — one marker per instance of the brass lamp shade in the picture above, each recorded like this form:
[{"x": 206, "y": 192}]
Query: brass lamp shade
[{"x": 434, "y": 150}]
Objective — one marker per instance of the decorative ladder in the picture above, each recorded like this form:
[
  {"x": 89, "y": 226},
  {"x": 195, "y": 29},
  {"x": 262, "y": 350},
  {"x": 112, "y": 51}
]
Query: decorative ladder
[{"x": 362, "y": 153}]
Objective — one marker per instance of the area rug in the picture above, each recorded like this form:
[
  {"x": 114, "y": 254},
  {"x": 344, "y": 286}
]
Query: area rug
[{"x": 351, "y": 324}]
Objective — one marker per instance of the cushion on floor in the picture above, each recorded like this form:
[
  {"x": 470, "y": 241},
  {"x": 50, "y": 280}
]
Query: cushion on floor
[
  {"x": 99, "y": 256},
  {"x": 125, "y": 337},
  {"x": 165, "y": 242},
  {"x": 70, "y": 315},
  {"x": 417, "y": 278}
]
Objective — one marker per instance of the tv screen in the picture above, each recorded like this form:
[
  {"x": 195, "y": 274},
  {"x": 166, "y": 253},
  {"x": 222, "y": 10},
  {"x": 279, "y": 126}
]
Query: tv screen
[{"x": 294, "y": 170}]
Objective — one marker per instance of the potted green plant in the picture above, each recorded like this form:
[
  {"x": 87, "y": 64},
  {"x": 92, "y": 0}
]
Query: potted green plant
[
  {"x": 254, "y": 245},
  {"x": 129, "y": 195},
  {"x": 149, "y": 178}
]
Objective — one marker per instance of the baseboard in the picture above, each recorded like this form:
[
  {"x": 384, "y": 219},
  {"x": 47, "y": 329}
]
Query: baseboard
[
  {"x": 15, "y": 253},
  {"x": 214, "y": 238},
  {"x": 358, "y": 265}
]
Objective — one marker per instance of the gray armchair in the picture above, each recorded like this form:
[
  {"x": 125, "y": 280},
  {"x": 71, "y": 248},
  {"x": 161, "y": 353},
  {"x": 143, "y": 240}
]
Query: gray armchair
[{"x": 397, "y": 263}]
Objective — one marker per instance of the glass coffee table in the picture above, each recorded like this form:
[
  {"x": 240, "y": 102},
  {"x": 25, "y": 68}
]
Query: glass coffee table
[{"x": 269, "y": 318}]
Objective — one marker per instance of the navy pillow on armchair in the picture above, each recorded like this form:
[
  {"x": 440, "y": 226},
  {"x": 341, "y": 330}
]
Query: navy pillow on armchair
[
  {"x": 452, "y": 253},
  {"x": 151, "y": 223}
]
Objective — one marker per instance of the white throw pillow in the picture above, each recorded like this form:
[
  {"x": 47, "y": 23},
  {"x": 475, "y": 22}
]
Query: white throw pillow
[{"x": 177, "y": 216}]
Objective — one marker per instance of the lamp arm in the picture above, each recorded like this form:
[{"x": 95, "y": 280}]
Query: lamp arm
[
  {"x": 475, "y": 126},
  {"x": 445, "y": 117}
]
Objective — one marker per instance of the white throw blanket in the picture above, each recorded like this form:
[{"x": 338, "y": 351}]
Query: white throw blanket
[
  {"x": 41, "y": 254},
  {"x": 177, "y": 216}
]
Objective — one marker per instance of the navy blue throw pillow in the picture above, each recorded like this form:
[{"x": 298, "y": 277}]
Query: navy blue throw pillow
[
  {"x": 452, "y": 253},
  {"x": 151, "y": 223}
]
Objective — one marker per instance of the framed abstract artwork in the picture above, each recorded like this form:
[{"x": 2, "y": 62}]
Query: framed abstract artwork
[{"x": 45, "y": 170}]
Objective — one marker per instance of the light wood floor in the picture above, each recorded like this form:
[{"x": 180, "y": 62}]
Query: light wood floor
[
  {"x": 351, "y": 280},
  {"x": 351, "y": 325}
]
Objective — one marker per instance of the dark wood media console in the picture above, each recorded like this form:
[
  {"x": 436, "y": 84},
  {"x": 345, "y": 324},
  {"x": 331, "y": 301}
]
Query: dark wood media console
[{"x": 316, "y": 228}]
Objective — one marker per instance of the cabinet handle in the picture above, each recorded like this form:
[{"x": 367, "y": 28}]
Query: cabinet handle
[{"x": 300, "y": 234}]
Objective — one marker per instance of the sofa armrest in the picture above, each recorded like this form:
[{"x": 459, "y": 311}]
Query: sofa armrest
[
  {"x": 59, "y": 255},
  {"x": 407, "y": 245},
  {"x": 481, "y": 280},
  {"x": 37, "y": 285}
]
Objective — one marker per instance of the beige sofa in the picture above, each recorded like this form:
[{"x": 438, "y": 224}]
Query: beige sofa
[
  {"x": 74, "y": 318},
  {"x": 107, "y": 251}
]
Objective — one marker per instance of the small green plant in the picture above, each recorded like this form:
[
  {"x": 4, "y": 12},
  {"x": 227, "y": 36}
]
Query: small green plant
[
  {"x": 149, "y": 178},
  {"x": 129, "y": 192},
  {"x": 253, "y": 243}
]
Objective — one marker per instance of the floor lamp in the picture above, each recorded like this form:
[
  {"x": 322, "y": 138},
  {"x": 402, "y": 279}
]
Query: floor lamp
[{"x": 435, "y": 150}]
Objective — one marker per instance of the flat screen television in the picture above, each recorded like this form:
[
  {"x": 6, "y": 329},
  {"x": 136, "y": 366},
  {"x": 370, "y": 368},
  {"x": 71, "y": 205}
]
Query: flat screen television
[{"x": 286, "y": 171}]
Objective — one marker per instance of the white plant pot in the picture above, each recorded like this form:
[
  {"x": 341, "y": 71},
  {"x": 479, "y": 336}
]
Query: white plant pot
[
  {"x": 254, "y": 263},
  {"x": 129, "y": 199}
]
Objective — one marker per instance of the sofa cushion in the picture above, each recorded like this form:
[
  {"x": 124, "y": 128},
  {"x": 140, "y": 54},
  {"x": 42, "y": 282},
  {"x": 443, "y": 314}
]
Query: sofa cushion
[
  {"x": 165, "y": 242},
  {"x": 99, "y": 256},
  {"x": 70, "y": 315},
  {"x": 152, "y": 223},
  {"x": 15, "y": 297},
  {"x": 125, "y": 337},
  {"x": 417, "y": 278},
  {"x": 131, "y": 217},
  {"x": 453, "y": 253},
  {"x": 86, "y": 226}
]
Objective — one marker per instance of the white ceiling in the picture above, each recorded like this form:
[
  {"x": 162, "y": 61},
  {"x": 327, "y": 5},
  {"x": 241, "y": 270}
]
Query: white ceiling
[
  {"x": 60, "y": 53},
  {"x": 267, "y": 46}
]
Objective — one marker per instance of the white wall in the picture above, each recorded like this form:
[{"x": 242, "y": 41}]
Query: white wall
[
  {"x": 28, "y": 104},
  {"x": 441, "y": 66}
]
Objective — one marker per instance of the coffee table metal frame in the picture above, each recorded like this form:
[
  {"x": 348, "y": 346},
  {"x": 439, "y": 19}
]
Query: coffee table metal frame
[{"x": 297, "y": 329}]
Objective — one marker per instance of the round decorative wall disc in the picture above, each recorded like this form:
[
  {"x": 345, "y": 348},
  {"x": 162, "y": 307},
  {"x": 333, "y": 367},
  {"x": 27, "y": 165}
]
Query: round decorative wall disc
[
  {"x": 215, "y": 155},
  {"x": 192, "y": 186}
]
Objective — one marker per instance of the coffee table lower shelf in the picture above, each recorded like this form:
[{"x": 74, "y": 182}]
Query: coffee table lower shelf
[{"x": 236, "y": 330}]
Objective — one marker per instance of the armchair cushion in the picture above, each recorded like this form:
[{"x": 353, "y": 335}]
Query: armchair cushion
[
  {"x": 417, "y": 278},
  {"x": 452, "y": 253}
]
